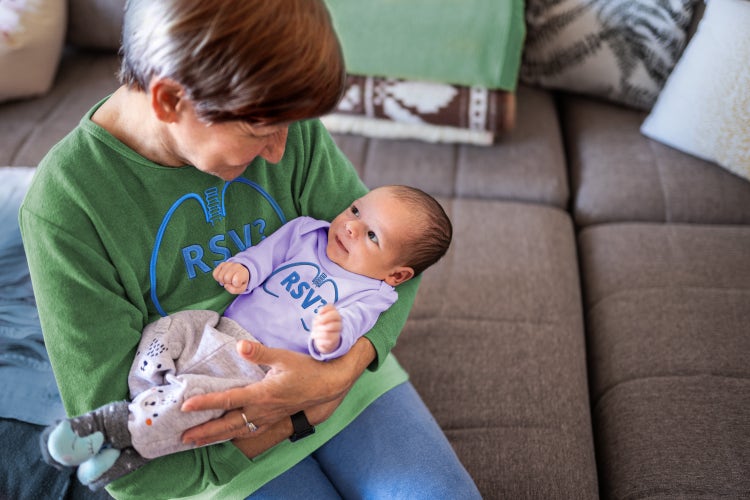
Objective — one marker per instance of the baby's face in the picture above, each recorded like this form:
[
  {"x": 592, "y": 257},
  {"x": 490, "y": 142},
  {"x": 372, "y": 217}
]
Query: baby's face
[{"x": 369, "y": 237}]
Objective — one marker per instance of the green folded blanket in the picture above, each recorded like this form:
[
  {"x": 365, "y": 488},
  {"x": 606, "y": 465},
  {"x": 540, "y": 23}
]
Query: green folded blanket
[{"x": 461, "y": 42}]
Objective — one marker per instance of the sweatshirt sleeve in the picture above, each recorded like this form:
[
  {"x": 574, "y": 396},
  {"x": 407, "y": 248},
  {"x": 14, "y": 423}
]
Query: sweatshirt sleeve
[
  {"x": 72, "y": 280},
  {"x": 326, "y": 185},
  {"x": 389, "y": 325}
]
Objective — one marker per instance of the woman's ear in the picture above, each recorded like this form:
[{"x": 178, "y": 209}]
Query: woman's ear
[
  {"x": 399, "y": 275},
  {"x": 165, "y": 98}
]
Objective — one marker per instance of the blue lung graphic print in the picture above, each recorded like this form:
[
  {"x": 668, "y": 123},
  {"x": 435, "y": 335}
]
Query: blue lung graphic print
[
  {"x": 212, "y": 204},
  {"x": 305, "y": 284}
]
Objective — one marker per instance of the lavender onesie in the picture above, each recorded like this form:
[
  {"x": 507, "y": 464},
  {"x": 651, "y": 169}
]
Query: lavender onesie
[
  {"x": 193, "y": 352},
  {"x": 291, "y": 278}
]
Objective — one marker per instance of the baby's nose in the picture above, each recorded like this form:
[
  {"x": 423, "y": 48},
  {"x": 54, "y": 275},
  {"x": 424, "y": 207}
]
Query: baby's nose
[{"x": 351, "y": 228}]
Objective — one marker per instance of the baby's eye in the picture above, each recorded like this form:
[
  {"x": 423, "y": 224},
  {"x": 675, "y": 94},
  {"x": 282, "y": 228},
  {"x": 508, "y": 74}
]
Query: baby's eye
[
  {"x": 355, "y": 211},
  {"x": 372, "y": 236}
]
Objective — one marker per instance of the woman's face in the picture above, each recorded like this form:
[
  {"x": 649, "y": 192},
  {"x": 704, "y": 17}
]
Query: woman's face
[{"x": 224, "y": 149}]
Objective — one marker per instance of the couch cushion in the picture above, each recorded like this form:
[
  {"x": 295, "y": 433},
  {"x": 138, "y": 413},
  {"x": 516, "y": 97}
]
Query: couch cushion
[
  {"x": 96, "y": 23},
  {"x": 31, "y": 40},
  {"x": 503, "y": 311},
  {"x": 667, "y": 313},
  {"x": 527, "y": 164},
  {"x": 680, "y": 437},
  {"x": 617, "y": 174},
  {"x": 28, "y": 129}
]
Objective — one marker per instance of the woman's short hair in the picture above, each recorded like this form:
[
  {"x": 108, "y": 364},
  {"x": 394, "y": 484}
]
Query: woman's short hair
[{"x": 250, "y": 60}]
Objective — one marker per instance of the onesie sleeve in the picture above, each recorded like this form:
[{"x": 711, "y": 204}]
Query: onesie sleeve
[
  {"x": 359, "y": 314},
  {"x": 261, "y": 259}
]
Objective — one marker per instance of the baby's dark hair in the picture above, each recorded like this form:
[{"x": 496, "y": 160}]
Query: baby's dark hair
[{"x": 432, "y": 239}]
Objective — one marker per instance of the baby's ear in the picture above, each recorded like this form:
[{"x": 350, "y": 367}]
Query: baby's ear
[{"x": 399, "y": 275}]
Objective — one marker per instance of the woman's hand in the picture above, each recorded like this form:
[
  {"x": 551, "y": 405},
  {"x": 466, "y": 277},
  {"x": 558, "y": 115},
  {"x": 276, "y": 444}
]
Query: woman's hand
[
  {"x": 257, "y": 443},
  {"x": 294, "y": 382}
]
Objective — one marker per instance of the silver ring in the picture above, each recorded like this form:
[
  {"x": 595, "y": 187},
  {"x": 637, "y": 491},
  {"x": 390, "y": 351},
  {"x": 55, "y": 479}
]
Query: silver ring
[{"x": 249, "y": 424}]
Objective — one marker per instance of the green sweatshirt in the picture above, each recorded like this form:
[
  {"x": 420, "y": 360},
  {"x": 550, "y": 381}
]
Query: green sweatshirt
[{"x": 114, "y": 241}]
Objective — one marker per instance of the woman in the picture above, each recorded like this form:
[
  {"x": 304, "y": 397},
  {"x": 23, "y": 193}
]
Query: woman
[{"x": 206, "y": 148}]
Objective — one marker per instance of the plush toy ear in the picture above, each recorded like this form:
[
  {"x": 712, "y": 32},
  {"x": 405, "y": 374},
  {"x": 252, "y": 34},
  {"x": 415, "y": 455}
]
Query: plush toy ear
[{"x": 399, "y": 275}]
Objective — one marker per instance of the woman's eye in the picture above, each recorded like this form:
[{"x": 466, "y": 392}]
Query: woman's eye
[{"x": 372, "y": 236}]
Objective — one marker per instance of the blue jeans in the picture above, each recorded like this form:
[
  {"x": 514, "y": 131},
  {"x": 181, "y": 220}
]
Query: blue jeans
[
  {"x": 24, "y": 475},
  {"x": 393, "y": 450}
]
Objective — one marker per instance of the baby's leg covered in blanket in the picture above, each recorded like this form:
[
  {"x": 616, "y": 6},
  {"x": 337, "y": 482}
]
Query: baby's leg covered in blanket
[
  {"x": 98, "y": 442},
  {"x": 208, "y": 362}
]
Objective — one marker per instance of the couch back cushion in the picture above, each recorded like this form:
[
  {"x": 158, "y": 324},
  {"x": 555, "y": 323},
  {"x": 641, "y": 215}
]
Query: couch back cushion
[
  {"x": 95, "y": 24},
  {"x": 31, "y": 38}
]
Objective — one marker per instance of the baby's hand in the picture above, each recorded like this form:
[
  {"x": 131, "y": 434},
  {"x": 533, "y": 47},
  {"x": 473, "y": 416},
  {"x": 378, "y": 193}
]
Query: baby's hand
[
  {"x": 326, "y": 331},
  {"x": 232, "y": 276}
]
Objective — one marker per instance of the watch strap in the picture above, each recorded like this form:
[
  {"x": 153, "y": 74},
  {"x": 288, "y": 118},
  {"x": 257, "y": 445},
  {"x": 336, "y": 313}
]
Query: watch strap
[{"x": 301, "y": 426}]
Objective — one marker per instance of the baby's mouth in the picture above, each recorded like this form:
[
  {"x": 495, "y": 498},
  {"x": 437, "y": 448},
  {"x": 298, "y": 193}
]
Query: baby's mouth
[{"x": 341, "y": 245}]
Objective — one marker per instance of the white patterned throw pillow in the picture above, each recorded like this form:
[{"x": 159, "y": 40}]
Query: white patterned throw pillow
[
  {"x": 704, "y": 109},
  {"x": 620, "y": 50}
]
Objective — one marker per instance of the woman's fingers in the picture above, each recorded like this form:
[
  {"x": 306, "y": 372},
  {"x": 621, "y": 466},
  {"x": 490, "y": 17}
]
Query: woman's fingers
[
  {"x": 259, "y": 401},
  {"x": 224, "y": 400},
  {"x": 232, "y": 425},
  {"x": 255, "y": 352}
]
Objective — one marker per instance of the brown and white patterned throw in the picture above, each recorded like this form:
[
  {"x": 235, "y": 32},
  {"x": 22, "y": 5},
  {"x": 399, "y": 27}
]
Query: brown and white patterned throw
[{"x": 429, "y": 103}]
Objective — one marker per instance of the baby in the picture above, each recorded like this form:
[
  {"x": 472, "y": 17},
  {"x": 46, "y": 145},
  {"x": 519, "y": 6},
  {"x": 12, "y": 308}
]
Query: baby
[{"x": 313, "y": 287}]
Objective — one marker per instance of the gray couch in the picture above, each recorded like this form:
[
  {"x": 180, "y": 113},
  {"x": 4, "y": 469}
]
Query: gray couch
[{"x": 588, "y": 333}]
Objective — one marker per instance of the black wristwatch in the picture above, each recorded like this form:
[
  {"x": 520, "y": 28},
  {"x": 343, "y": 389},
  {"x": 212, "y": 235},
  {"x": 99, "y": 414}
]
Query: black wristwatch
[{"x": 302, "y": 427}]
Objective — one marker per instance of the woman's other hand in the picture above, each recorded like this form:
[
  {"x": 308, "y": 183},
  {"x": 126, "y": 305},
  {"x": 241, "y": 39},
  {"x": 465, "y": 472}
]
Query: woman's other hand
[{"x": 294, "y": 382}]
